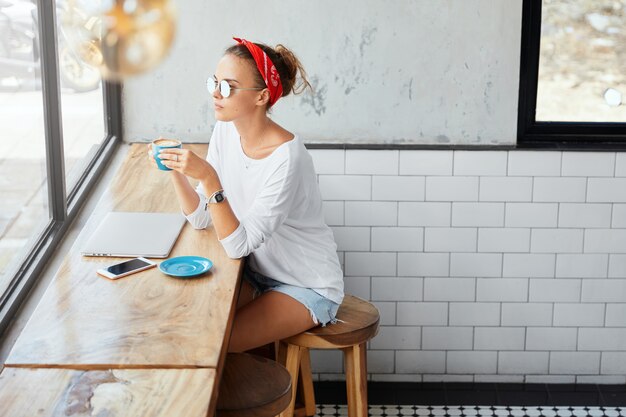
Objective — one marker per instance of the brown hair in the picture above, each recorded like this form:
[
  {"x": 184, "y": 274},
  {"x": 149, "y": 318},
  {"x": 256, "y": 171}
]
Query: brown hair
[{"x": 287, "y": 64}]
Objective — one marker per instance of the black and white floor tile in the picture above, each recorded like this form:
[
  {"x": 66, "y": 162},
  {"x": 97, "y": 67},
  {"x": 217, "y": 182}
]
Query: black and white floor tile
[{"x": 333, "y": 410}]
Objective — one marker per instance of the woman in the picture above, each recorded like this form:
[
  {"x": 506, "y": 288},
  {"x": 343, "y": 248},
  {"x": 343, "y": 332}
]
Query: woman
[{"x": 258, "y": 187}]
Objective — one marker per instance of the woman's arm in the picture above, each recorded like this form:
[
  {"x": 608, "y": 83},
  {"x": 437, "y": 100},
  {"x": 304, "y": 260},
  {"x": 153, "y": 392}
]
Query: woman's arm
[
  {"x": 189, "y": 199},
  {"x": 187, "y": 196},
  {"x": 240, "y": 237}
]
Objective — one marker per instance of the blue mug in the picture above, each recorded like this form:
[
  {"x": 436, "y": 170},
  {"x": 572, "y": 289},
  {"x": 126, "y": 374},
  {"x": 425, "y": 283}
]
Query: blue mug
[{"x": 162, "y": 143}]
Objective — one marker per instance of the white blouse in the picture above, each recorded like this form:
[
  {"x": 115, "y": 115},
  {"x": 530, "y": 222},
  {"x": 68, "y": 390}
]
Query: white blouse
[{"x": 279, "y": 207}]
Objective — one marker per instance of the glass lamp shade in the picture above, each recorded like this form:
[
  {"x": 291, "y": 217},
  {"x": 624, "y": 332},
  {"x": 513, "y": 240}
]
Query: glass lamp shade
[{"x": 120, "y": 37}]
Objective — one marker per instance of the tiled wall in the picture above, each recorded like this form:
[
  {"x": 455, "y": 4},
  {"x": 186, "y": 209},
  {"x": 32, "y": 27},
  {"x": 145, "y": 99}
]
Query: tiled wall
[{"x": 485, "y": 265}]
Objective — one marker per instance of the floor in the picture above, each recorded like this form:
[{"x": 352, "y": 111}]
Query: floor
[{"x": 463, "y": 399}]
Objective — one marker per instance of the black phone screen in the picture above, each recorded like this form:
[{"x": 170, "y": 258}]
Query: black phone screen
[{"x": 127, "y": 266}]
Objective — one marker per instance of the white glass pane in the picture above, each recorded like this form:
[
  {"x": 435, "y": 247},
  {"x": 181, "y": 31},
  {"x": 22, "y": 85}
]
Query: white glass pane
[
  {"x": 81, "y": 106},
  {"x": 581, "y": 65},
  {"x": 23, "y": 187}
]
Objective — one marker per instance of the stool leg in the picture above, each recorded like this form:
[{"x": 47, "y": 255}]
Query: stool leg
[
  {"x": 355, "y": 362},
  {"x": 292, "y": 363},
  {"x": 308, "y": 395}
]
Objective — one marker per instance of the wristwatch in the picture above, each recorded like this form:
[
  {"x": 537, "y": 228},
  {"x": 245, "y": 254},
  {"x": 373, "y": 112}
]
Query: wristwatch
[{"x": 217, "y": 197}]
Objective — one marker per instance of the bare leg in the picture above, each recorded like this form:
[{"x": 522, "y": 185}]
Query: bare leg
[
  {"x": 270, "y": 317},
  {"x": 246, "y": 294}
]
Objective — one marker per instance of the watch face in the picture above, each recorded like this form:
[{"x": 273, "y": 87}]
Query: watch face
[{"x": 219, "y": 197}]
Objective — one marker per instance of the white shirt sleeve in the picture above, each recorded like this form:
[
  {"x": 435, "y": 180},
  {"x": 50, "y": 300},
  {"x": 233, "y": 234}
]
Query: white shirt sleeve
[
  {"x": 200, "y": 218},
  {"x": 268, "y": 211}
]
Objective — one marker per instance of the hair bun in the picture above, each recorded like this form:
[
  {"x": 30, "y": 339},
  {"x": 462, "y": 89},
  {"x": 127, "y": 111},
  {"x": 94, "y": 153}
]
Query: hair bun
[{"x": 288, "y": 66}]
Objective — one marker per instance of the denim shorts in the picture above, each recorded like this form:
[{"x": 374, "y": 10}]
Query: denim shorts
[{"x": 323, "y": 310}]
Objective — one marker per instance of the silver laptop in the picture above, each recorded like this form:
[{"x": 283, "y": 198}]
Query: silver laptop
[{"x": 125, "y": 234}]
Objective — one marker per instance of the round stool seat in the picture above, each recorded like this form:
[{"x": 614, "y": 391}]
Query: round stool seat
[
  {"x": 252, "y": 386},
  {"x": 357, "y": 322}
]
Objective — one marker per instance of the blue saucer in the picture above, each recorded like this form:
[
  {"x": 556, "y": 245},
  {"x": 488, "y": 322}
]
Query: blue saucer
[{"x": 186, "y": 266}]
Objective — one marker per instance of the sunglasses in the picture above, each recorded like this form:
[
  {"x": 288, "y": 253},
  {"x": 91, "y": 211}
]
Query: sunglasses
[{"x": 224, "y": 88}]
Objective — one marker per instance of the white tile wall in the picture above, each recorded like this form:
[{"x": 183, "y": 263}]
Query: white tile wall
[
  {"x": 503, "y": 240},
  {"x": 371, "y": 213},
  {"x": 556, "y": 290},
  {"x": 582, "y": 266},
  {"x": 579, "y": 215},
  {"x": 617, "y": 266},
  {"x": 420, "y": 362},
  {"x": 605, "y": 240},
  {"x": 328, "y": 161},
  {"x": 613, "y": 363},
  {"x": 619, "y": 216},
  {"x": 478, "y": 214},
  {"x": 424, "y": 264},
  {"x": 531, "y": 215},
  {"x": 333, "y": 212},
  {"x": 620, "y": 165},
  {"x": 616, "y": 315},
  {"x": 510, "y": 189},
  {"x": 556, "y": 240},
  {"x": 451, "y": 188},
  {"x": 485, "y": 265},
  {"x": 578, "y": 363},
  {"x": 345, "y": 187},
  {"x": 398, "y": 239},
  {"x": 606, "y": 190},
  {"x": 560, "y": 189},
  {"x": 447, "y": 338},
  {"x": 523, "y": 362},
  {"x": 474, "y": 314},
  {"x": 397, "y": 338},
  {"x": 502, "y": 289},
  {"x": 481, "y": 163},
  {"x": 422, "y": 314},
  {"x": 579, "y": 315},
  {"x": 426, "y": 162},
  {"x": 352, "y": 238},
  {"x": 472, "y": 362},
  {"x": 527, "y": 314},
  {"x": 449, "y": 289},
  {"x": 551, "y": 338},
  {"x": 475, "y": 264},
  {"x": 499, "y": 338},
  {"x": 440, "y": 239},
  {"x": 396, "y": 289},
  {"x": 531, "y": 163},
  {"x": 580, "y": 164},
  {"x": 397, "y": 188},
  {"x": 371, "y": 162},
  {"x": 529, "y": 265}
]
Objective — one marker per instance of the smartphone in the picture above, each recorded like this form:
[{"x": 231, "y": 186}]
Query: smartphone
[{"x": 126, "y": 268}]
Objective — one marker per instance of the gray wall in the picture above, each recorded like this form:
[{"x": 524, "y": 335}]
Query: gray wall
[{"x": 393, "y": 71}]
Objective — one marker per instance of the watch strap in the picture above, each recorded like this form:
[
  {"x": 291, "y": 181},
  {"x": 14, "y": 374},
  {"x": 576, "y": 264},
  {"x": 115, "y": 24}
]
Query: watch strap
[{"x": 217, "y": 197}]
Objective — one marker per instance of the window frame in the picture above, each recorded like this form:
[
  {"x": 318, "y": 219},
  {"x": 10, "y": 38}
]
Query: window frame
[
  {"x": 558, "y": 135},
  {"x": 63, "y": 206}
]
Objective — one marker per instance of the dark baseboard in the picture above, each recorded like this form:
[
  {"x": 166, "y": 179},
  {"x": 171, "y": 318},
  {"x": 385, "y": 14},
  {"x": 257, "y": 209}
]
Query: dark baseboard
[{"x": 458, "y": 393}]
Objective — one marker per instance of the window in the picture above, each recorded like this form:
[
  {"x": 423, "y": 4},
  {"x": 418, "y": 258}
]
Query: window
[
  {"x": 59, "y": 123},
  {"x": 572, "y": 83}
]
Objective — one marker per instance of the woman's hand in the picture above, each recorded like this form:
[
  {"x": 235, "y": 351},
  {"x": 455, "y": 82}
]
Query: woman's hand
[
  {"x": 187, "y": 163},
  {"x": 151, "y": 159}
]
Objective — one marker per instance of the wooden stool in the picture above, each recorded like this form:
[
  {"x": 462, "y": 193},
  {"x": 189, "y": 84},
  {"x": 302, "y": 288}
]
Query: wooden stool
[
  {"x": 252, "y": 386},
  {"x": 357, "y": 323}
]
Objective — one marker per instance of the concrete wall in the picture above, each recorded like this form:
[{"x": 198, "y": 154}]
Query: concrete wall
[{"x": 384, "y": 71}]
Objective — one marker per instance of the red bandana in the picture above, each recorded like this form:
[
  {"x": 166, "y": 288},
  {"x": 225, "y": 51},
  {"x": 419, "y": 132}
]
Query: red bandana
[{"x": 266, "y": 68}]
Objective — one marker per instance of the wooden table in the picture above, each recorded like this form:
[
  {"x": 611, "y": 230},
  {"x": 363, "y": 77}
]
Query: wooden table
[
  {"x": 120, "y": 392},
  {"x": 147, "y": 320}
]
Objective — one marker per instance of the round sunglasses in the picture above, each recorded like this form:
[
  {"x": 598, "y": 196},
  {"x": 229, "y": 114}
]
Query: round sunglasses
[{"x": 224, "y": 88}]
